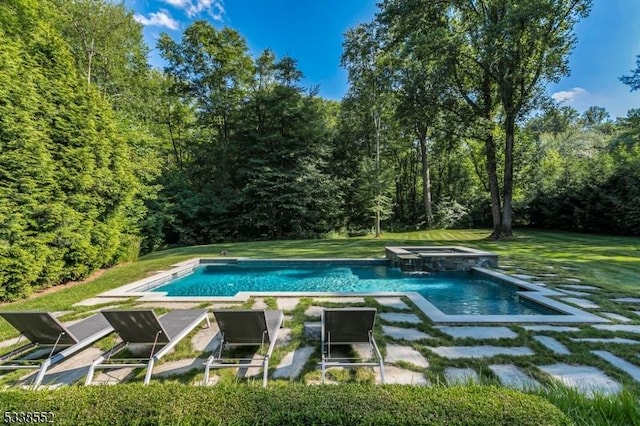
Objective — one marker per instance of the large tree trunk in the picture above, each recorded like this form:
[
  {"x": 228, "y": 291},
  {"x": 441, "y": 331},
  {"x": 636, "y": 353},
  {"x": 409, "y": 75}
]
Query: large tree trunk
[
  {"x": 507, "y": 214},
  {"x": 377, "y": 123},
  {"x": 426, "y": 181},
  {"x": 494, "y": 188}
]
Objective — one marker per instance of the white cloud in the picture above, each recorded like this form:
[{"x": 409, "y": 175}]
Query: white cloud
[
  {"x": 569, "y": 95},
  {"x": 180, "y": 4},
  {"x": 158, "y": 19},
  {"x": 214, "y": 8}
]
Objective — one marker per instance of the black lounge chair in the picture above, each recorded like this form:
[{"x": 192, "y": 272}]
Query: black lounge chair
[
  {"x": 347, "y": 326},
  {"x": 43, "y": 330},
  {"x": 142, "y": 326},
  {"x": 245, "y": 328}
]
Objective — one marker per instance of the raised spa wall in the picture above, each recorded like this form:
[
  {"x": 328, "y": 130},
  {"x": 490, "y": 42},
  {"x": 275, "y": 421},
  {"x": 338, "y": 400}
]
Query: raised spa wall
[{"x": 439, "y": 258}]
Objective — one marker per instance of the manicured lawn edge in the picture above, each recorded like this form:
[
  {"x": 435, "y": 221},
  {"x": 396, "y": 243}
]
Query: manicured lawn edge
[{"x": 291, "y": 405}]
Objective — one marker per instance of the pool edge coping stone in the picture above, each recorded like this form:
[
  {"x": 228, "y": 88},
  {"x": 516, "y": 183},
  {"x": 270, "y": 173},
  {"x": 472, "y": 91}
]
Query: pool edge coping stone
[{"x": 535, "y": 293}]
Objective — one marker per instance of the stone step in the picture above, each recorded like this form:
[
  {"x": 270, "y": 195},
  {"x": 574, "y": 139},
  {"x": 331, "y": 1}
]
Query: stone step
[
  {"x": 512, "y": 377},
  {"x": 583, "y": 303},
  {"x": 553, "y": 345},
  {"x": 631, "y": 369},
  {"x": 402, "y": 318},
  {"x": 455, "y": 352},
  {"x": 396, "y": 353},
  {"x": 477, "y": 332},
  {"x": 410, "y": 334},
  {"x": 460, "y": 376},
  {"x": 585, "y": 379},
  {"x": 393, "y": 302},
  {"x": 292, "y": 364},
  {"x": 557, "y": 328}
]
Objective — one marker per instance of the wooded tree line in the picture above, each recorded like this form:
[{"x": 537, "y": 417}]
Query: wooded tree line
[{"x": 445, "y": 124}]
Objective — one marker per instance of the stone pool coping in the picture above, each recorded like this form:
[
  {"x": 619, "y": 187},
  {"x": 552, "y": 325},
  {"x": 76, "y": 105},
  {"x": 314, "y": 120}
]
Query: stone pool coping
[{"x": 535, "y": 293}]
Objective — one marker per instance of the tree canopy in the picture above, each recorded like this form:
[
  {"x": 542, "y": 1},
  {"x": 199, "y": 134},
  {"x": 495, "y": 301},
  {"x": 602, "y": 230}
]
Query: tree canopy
[{"x": 444, "y": 124}]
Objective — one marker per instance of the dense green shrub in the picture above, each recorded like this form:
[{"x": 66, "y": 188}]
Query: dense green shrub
[{"x": 290, "y": 405}]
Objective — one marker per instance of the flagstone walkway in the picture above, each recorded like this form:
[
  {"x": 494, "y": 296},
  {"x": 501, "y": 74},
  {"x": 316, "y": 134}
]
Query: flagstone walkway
[{"x": 418, "y": 352}]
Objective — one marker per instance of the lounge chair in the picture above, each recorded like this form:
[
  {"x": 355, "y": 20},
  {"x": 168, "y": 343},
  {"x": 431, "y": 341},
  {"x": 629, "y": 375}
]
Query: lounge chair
[
  {"x": 345, "y": 327},
  {"x": 142, "y": 326},
  {"x": 43, "y": 330},
  {"x": 245, "y": 328}
]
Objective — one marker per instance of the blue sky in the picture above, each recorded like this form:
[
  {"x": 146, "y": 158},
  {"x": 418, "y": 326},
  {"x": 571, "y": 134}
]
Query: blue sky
[{"x": 312, "y": 33}]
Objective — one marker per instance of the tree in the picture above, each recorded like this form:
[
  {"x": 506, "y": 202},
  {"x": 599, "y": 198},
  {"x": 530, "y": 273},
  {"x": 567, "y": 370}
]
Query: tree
[
  {"x": 68, "y": 189},
  {"x": 498, "y": 54},
  {"x": 368, "y": 74},
  {"x": 633, "y": 80},
  {"x": 107, "y": 45}
]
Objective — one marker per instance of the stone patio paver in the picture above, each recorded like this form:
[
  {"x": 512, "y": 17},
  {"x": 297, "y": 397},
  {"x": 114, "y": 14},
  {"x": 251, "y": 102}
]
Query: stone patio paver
[
  {"x": 615, "y": 317},
  {"x": 485, "y": 351},
  {"x": 583, "y": 303},
  {"x": 10, "y": 342},
  {"x": 460, "y": 376},
  {"x": 180, "y": 366},
  {"x": 168, "y": 305},
  {"x": 523, "y": 276},
  {"x": 512, "y": 377},
  {"x": 314, "y": 311},
  {"x": 579, "y": 287},
  {"x": 292, "y": 364},
  {"x": 259, "y": 304},
  {"x": 93, "y": 301},
  {"x": 393, "y": 317},
  {"x": 478, "y": 332},
  {"x": 407, "y": 354},
  {"x": 392, "y": 302},
  {"x": 631, "y": 369},
  {"x": 574, "y": 292},
  {"x": 68, "y": 372},
  {"x": 553, "y": 345},
  {"x": 312, "y": 330},
  {"x": 410, "y": 334},
  {"x": 627, "y": 300},
  {"x": 206, "y": 339},
  {"x": 287, "y": 303},
  {"x": 558, "y": 328},
  {"x": 618, "y": 327},
  {"x": 587, "y": 380},
  {"x": 338, "y": 299},
  {"x": 400, "y": 376},
  {"x": 225, "y": 305},
  {"x": 618, "y": 340}
]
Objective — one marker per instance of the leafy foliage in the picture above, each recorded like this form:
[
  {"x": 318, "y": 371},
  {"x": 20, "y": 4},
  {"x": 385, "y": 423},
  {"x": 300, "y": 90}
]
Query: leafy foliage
[
  {"x": 67, "y": 182},
  {"x": 292, "y": 405}
]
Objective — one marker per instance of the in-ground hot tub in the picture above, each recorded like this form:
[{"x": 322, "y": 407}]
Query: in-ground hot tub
[{"x": 439, "y": 258}]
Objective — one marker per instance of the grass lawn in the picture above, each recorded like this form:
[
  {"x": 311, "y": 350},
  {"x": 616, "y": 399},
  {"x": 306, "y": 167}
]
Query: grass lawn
[{"x": 611, "y": 263}]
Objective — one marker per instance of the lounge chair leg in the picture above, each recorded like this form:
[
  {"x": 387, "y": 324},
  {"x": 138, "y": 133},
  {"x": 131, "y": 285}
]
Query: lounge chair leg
[
  {"x": 43, "y": 369},
  {"x": 381, "y": 373},
  {"x": 207, "y": 367},
  {"x": 147, "y": 376},
  {"x": 323, "y": 370},
  {"x": 92, "y": 369},
  {"x": 265, "y": 373}
]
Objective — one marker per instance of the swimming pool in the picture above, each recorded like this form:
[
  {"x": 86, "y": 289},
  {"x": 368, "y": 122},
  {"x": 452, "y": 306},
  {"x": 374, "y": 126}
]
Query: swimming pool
[
  {"x": 453, "y": 293},
  {"x": 480, "y": 295}
]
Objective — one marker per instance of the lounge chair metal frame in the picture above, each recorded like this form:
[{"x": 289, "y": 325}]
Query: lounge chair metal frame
[
  {"x": 270, "y": 323},
  {"x": 67, "y": 342},
  {"x": 163, "y": 341},
  {"x": 327, "y": 342}
]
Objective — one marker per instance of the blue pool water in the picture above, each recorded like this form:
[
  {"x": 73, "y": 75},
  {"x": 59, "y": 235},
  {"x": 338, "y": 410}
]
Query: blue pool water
[{"x": 459, "y": 293}]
